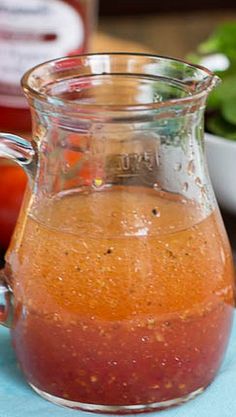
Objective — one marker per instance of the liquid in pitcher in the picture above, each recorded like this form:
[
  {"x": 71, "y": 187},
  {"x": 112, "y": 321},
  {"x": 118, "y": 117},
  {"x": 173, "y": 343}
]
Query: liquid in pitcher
[{"x": 124, "y": 296}]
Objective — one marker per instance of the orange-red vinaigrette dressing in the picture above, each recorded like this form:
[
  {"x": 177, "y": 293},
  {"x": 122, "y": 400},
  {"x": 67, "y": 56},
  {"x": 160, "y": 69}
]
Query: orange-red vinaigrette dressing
[{"x": 126, "y": 298}]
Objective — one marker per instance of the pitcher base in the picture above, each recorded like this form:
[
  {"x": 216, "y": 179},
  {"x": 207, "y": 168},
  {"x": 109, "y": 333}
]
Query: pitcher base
[{"x": 116, "y": 409}]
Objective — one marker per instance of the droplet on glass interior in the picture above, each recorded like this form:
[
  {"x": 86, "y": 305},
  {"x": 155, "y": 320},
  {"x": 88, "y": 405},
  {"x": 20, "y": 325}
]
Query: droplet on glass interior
[
  {"x": 185, "y": 187},
  {"x": 191, "y": 167},
  {"x": 178, "y": 166},
  {"x": 203, "y": 191},
  {"x": 198, "y": 181}
]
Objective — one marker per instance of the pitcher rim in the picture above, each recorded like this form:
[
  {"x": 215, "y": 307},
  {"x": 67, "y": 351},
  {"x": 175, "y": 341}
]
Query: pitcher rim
[{"x": 207, "y": 84}]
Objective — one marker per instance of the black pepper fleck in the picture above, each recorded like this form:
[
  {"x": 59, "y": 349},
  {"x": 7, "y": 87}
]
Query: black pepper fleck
[
  {"x": 108, "y": 252},
  {"x": 154, "y": 212},
  {"x": 170, "y": 253}
]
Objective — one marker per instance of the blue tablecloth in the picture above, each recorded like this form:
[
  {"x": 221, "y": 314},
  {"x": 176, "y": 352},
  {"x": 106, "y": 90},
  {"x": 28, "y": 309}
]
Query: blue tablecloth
[{"x": 18, "y": 400}]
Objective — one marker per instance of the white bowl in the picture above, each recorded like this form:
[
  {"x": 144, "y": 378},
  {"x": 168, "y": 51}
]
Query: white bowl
[{"x": 221, "y": 158}]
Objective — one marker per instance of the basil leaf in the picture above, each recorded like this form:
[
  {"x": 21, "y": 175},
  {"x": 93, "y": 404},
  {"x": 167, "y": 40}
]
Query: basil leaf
[{"x": 222, "y": 40}]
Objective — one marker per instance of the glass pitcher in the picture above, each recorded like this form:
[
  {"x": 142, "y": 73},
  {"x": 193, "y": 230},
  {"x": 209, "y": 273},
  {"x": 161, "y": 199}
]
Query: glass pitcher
[{"x": 118, "y": 285}]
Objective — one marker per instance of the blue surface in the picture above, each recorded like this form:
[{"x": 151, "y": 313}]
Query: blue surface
[{"x": 18, "y": 400}]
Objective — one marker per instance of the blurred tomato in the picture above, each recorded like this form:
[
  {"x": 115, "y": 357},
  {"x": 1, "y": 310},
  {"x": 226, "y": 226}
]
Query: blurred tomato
[{"x": 12, "y": 185}]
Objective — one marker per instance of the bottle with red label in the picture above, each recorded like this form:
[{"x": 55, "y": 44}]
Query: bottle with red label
[{"x": 32, "y": 32}]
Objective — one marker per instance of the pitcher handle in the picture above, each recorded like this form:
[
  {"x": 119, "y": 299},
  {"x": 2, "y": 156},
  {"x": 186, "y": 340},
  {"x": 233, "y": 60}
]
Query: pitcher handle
[
  {"x": 21, "y": 151},
  {"x": 18, "y": 150}
]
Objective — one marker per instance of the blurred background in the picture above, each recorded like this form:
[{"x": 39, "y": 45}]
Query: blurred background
[{"x": 169, "y": 27}]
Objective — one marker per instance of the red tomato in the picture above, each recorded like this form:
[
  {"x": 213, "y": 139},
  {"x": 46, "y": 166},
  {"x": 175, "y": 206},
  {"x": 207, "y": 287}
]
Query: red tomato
[{"x": 12, "y": 185}]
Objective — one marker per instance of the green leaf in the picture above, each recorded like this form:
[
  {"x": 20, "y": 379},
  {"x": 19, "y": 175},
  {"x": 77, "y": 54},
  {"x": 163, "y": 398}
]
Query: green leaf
[
  {"x": 223, "y": 93},
  {"x": 194, "y": 58},
  {"x": 222, "y": 40},
  {"x": 222, "y": 101},
  {"x": 229, "y": 110},
  {"x": 214, "y": 100},
  {"x": 210, "y": 46},
  {"x": 227, "y": 88},
  {"x": 220, "y": 127}
]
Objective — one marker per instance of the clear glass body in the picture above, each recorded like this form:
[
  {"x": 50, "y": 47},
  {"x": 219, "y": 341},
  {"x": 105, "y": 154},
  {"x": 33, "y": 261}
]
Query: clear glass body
[{"x": 120, "y": 266}]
